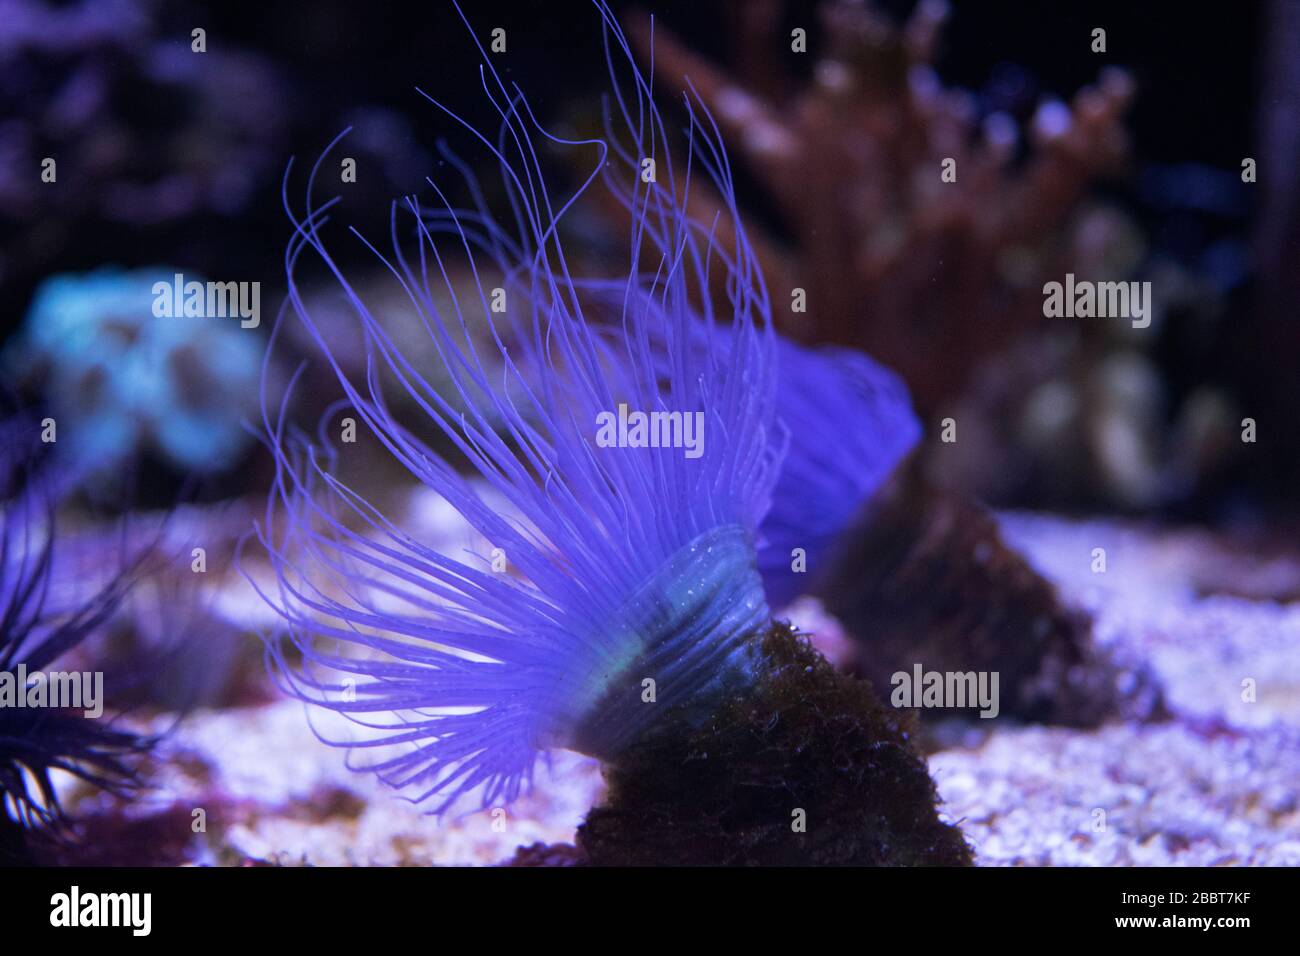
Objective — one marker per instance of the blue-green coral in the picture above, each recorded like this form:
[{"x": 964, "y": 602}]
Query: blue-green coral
[{"x": 118, "y": 379}]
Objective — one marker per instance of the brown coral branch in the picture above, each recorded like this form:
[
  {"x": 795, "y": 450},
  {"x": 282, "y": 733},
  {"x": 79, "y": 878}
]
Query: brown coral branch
[{"x": 928, "y": 276}]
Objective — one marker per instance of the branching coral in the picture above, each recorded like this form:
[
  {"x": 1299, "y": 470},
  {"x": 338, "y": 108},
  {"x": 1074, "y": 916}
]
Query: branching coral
[{"x": 894, "y": 260}]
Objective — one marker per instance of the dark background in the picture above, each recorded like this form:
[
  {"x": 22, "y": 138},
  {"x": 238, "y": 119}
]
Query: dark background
[{"x": 281, "y": 80}]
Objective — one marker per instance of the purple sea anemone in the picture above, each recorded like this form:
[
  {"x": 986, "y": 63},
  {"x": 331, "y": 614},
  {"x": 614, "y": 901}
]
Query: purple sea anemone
[
  {"x": 850, "y": 423},
  {"x": 632, "y": 586}
]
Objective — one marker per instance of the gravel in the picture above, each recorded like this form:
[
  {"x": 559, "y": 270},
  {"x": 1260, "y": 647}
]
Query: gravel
[{"x": 1215, "y": 784}]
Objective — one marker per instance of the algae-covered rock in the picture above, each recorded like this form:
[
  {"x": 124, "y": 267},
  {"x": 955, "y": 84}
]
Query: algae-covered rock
[{"x": 807, "y": 767}]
